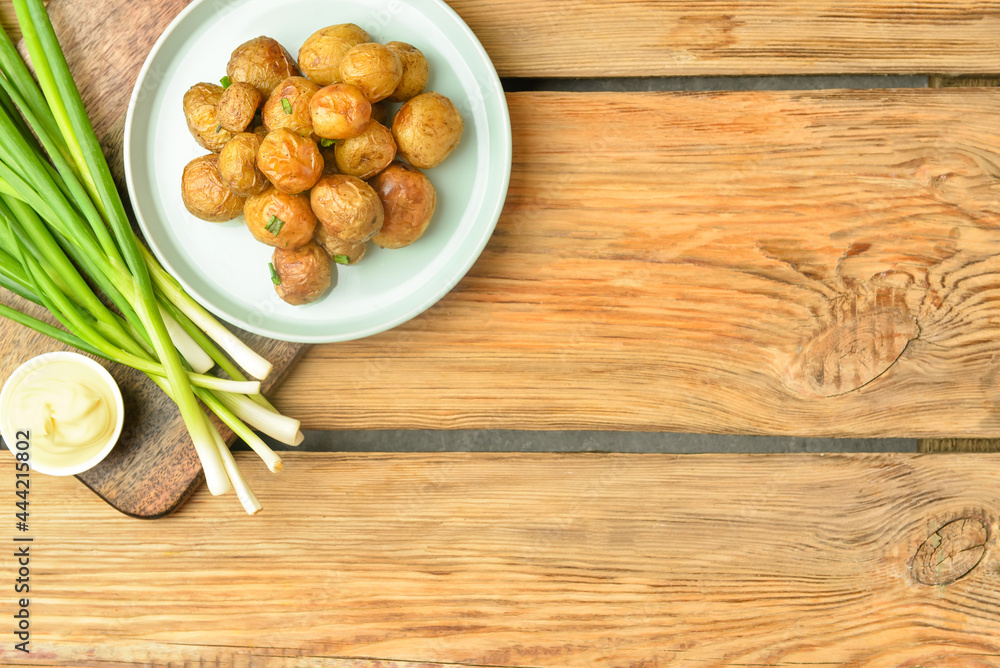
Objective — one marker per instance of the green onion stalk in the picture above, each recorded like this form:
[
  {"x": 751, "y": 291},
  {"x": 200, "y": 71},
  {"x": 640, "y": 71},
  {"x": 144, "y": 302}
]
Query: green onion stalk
[{"x": 63, "y": 229}]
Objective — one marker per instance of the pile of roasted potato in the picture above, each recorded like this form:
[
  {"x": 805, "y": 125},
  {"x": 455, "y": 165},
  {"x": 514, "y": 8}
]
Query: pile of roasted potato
[{"x": 306, "y": 152}]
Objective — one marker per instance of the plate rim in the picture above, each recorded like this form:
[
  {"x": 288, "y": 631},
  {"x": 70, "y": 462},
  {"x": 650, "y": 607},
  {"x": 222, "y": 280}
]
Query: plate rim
[{"x": 493, "y": 208}]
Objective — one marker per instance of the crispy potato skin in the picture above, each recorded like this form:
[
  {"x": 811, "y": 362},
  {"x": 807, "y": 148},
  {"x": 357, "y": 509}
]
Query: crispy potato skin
[
  {"x": 409, "y": 199},
  {"x": 290, "y": 161},
  {"x": 427, "y": 128},
  {"x": 305, "y": 273},
  {"x": 297, "y": 92},
  {"x": 200, "y": 111},
  {"x": 336, "y": 247},
  {"x": 205, "y": 195},
  {"x": 366, "y": 154},
  {"x": 322, "y": 53},
  {"x": 265, "y": 131},
  {"x": 293, "y": 210},
  {"x": 374, "y": 68},
  {"x": 237, "y": 106},
  {"x": 416, "y": 71},
  {"x": 339, "y": 111},
  {"x": 347, "y": 207},
  {"x": 238, "y": 165},
  {"x": 261, "y": 62}
]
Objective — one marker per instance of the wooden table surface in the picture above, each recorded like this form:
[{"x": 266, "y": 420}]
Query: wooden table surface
[{"x": 809, "y": 263}]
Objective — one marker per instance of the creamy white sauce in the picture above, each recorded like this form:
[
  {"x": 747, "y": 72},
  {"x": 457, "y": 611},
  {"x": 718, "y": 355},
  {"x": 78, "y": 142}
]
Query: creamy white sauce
[{"x": 69, "y": 411}]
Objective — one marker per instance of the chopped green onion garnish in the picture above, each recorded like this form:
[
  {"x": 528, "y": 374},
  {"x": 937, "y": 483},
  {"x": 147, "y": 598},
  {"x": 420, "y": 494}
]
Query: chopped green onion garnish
[
  {"x": 226, "y": 82},
  {"x": 341, "y": 259},
  {"x": 286, "y": 105},
  {"x": 327, "y": 143},
  {"x": 274, "y": 225},
  {"x": 219, "y": 129},
  {"x": 274, "y": 274}
]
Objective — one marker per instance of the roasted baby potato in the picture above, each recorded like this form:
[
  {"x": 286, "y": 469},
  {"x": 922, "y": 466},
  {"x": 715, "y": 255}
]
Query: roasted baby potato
[
  {"x": 200, "y": 111},
  {"x": 262, "y": 63},
  {"x": 347, "y": 207},
  {"x": 260, "y": 131},
  {"x": 408, "y": 198},
  {"x": 290, "y": 161},
  {"x": 374, "y": 68},
  {"x": 366, "y": 154},
  {"x": 238, "y": 106},
  {"x": 279, "y": 219},
  {"x": 321, "y": 54},
  {"x": 339, "y": 111},
  {"x": 288, "y": 106},
  {"x": 238, "y": 165},
  {"x": 340, "y": 251},
  {"x": 205, "y": 195},
  {"x": 301, "y": 275},
  {"x": 415, "y": 71},
  {"x": 427, "y": 129}
]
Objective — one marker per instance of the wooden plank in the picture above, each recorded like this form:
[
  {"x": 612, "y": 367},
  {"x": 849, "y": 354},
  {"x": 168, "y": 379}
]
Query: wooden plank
[
  {"x": 600, "y": 38},
  {"x": 154, "y": 467},
  {"x": 8, "y": 20},
  {"x": 959, "y": 444},
  {"x": 816, "y": 263},
  {"x": 533, "y": 560}
]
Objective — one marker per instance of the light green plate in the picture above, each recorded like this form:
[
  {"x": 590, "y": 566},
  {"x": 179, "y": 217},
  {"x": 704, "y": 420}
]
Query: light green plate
[{"x": 221, "y": 265}]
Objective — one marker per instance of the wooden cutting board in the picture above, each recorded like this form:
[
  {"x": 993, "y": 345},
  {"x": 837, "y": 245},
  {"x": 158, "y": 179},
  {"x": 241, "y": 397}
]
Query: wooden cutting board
[{"x": 154, "y": 467}]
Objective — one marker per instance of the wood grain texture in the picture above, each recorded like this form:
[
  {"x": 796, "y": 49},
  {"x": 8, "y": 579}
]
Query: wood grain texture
[
  {"x": 815, "y": 263},
  {"x": 959, "y": 444},
  {"x": 8, "y": 20},
  {"x": 154, "y": 467},
  {"x": 534, "y": 560},
  {"x": 600, "y": 38}
]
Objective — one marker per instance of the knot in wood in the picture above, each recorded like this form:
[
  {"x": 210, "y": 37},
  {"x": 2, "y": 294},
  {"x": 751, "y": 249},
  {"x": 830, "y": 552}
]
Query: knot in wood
[
  {"x": 951, "y": 552},
  {"x": 862, "y": 335}
]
